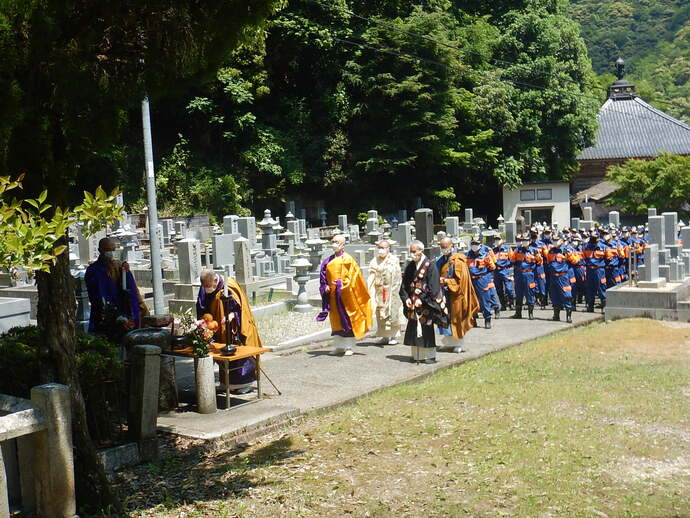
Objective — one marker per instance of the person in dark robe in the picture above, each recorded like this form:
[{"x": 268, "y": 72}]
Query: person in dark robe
[
  {"x": 116, "y": 304},
  {"x": 424, "y": 303},
  {"x": 239, "y": 329}
]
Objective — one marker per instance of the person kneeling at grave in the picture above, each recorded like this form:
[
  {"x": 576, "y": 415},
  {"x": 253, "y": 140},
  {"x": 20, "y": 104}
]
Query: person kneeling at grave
[
  {"x": 116, "y": 304},
  {"x": 424, "y": 302},
  {"x": 384, "y": 284},
  {"x": 344, "y": 298},
  {"x": 228, "y": 305}
]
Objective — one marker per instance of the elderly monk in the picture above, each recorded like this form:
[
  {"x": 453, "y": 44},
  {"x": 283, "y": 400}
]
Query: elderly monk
[
  {"x": 424, "y": 304},
  {"x": 457, "y": 288},
  {"x": 344, "y": 296},
  {"x": 384, "y": 285},
  {"x": 116, "y": 304},
  {"x": 240, "y": 328}
]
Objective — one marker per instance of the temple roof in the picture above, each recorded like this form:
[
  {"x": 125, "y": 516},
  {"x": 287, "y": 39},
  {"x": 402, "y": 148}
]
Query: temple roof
[{"x": 631, "y": 128}]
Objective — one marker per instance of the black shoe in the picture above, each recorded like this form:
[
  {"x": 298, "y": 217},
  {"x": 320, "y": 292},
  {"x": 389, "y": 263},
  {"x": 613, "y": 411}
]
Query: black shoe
[
  {"x": 429, "y": 361},
  {"x": 569, "y": 315},
  {"x": 518, "y": 313},
  {"x": 590, "y": 308},
  {"x": 497, "y": 312},
  {"x": 530, "y": 312},
  {"x": 556, "y": 315},
  {"x": 487, "y": 323}
]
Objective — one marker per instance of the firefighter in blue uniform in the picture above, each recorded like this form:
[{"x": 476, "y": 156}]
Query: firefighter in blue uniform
[
  {"x": 503, "y": 274},
  {"x": 594, "y": 252},
  {"x": 580, "y": 271},
  {"x": 525, "y": 259},
  {"x": 540, "y": 272},
  {"x": 559, "y": 261},
  {"x": 480, "y": 260},
  {"x": 612, "y": 267}
]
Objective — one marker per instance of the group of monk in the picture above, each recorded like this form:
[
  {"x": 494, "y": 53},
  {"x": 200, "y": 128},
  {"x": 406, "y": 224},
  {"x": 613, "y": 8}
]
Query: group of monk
[{"x": 434, "y": 297}]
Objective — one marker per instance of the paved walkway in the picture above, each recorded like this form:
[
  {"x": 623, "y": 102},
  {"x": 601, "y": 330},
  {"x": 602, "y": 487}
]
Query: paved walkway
[{"x": 312, "y": 378}]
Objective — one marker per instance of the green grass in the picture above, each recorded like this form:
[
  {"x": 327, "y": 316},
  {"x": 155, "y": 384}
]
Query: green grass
[{"x": 588, "y": 422}]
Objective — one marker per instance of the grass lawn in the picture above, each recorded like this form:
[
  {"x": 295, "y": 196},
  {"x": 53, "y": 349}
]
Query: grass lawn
[{"x": 590, "y": 422}]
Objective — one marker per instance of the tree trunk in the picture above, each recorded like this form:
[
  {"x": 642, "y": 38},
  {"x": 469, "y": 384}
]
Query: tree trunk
[{"x": 57, "y": 356}]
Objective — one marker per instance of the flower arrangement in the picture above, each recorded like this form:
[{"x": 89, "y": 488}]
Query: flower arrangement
[{"x": 199, "y": 333}]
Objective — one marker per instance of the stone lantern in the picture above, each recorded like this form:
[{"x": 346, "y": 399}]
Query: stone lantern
[
  {"x": 302, "y": 267},
  {"x": 323, "y": 215}
]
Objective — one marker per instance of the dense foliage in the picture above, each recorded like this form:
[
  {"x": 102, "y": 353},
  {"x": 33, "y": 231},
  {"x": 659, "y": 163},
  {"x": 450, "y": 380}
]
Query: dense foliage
[
  {"x": 653, "y": 36},
  {"x": 346, "y": 100},
  {"x": 662, "y": 182},
  {"x": 100, "y": 371}
]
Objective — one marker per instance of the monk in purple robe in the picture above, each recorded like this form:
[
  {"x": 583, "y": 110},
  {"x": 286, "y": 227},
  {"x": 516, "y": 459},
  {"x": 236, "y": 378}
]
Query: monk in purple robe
[{"x": 116, "y": 304}]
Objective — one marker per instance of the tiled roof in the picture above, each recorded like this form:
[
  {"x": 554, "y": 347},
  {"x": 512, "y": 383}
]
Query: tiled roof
[
  {"x": 596, "y": 192},
  {"x": 631, "y": 128}
]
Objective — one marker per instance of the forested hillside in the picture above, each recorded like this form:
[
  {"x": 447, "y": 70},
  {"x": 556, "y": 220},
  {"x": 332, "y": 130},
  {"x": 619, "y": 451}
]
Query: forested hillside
[{"x": 653, "y": 36}]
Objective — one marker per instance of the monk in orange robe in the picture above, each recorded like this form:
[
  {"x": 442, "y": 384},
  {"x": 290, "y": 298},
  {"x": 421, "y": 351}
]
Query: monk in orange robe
[
  {"x": 460, "y": 295},
  {"x": 240, "y": 329},
  {"x": 345, "y": 298}
]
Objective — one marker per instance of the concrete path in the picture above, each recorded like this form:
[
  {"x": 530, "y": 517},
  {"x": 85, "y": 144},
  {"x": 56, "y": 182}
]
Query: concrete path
[{"x": 313, "y": 379}]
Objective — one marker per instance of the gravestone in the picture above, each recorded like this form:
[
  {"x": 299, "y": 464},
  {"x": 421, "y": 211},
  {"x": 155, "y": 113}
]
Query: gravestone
[
  {"x": 243, "y": 261},
  {"x": 402, "y": 215},
  {"x": 651, "y": 211},
  {"x": 290, "y": 206},
  {"x": 657, "y": 233},
  {"x": 230, "y": 224},
  {"x": 189, "y": 260},
  {"x": 670, "y": 227},
  {"x": 575, "y": 223},
  {"x": 424, "y": 225},
  {"x": 246, "y": 226},
  {"x": 649, "y": 275},
  {"x": 373, "y": 214},
  {"x": 342, "y": 222},
  {"x": 674, "y": 271},
  {"x": 453, "y": 226},
  {"x": 181, "y": 229},
  {"x": 360, "y": 257},
  {"x": 469, "y": 218},
  {"x": 586, "y": 225},
  {"x": 223, "y": 249},
  {"x": 403, "y": 234},
  {"x": 685, "y": 258},
  {"x": 614, "y": 218},
  {"x": 302, "y": 228},
  {"x": 665, "y": 272},
  {"x": 587, "y": 213},
  {"x": 293, "y": 227},
  {"x": 511, "y": 229},
  {"x": 372, "y": 225},
  {"x": 88, "y": 247},
  {"x": 354, "y": 233}
]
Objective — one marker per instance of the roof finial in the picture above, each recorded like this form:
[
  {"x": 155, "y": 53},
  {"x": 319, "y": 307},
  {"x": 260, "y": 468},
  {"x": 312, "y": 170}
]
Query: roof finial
[{"x": 620, "y": 68}]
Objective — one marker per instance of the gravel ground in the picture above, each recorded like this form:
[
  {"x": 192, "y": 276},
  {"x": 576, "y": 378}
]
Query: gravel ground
[{"x": 286, "y": 325}]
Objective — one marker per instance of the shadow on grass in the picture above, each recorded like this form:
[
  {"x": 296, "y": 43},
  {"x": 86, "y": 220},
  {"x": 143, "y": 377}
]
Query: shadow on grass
[{"x": 196, "y": 475}]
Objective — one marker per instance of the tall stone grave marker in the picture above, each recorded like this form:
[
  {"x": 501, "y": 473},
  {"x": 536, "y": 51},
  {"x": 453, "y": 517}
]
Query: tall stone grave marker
[
  {"x": 685, "y": 237},
  {"x": 424, "y": 225},
  {"x": 453, "y": 226},
  {"x": 651, "y": 211},
  {"x": 342, "y": 223},
  {"x": 230, "y": 224},
  {"x": 657, "y": 233},
  {"x": 246, "y": 226},
  {"x": 614, "y": 218},
  {"x": 243, "y": 261},
  {"x": 527, "y": 214},
  {"x": 587, "y": 213},
  {"x": 670, "y": 227},
  {"x": 189, "y": 260},
  {"x": 223, "y": 249},
  {"x": 649, "y": 275},
  {"x": 575, "y": 223},
  {"x": 403, "y": 234},
  {"x": 510, "y": 231},
  {"x": 88, "y": 247}
]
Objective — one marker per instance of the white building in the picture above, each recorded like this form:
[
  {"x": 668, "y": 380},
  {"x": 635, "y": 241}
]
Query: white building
[{"x": 548, "y": 201}]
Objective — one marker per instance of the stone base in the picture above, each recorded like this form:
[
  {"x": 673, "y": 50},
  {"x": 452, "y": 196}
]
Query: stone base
[
  {"x": 658, "y": 283},
  {"x": 186, "y": 291},
  {"x": 303, "y": 308}
]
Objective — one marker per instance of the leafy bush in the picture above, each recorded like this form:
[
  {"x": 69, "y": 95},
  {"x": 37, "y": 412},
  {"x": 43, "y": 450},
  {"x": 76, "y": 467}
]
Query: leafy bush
[{"x": 101, "y": 375}]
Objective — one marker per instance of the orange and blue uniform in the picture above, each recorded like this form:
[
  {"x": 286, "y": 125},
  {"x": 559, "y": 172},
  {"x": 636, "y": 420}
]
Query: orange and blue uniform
[
  {"x": 580, "y": 272},
  {"x": 482, "y": 265},
  {"x": 559, "y": 268},
  {"x": 503, "y": 275},
  {"x": 594, "y": 253},
  {"x": 525, "y": 261},
  {"x": 613, "y": 263}
]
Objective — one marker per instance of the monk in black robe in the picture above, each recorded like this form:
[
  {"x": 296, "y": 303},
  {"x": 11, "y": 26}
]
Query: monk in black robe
[{"x": 424, "y": 303}]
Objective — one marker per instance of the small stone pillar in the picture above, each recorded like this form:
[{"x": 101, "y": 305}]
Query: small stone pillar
[
  {"x": 143, "y": 399},
  {"x": 205, "y": 381},
  {"x": 53, "y": 462}
]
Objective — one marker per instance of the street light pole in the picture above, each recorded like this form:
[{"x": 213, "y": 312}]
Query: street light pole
[{"x": 156, "y": 270}]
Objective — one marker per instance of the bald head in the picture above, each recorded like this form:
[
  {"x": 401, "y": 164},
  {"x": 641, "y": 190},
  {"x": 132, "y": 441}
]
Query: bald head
[
  {"x": 446, "y": 242},
  {"x": 338, "y": 238},
  {"x": 106, "y": 245}
]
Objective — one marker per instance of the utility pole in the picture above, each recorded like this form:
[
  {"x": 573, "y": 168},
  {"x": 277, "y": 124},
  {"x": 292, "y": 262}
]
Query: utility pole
[{"x": 156, "y": 270}]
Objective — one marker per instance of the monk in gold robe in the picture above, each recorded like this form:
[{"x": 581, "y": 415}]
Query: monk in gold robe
[
  {"x": 238, "y": 329},
  {"x": 461, "y": 298},
  {"x": 345, "y": 298}
]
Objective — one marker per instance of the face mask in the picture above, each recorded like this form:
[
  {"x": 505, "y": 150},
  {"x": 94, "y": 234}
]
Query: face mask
[
  {"x": 474, "y": 248},
  {"x": 108, "y": 254},
  {"x": 446, "y": 251},
  {"x": 499, "y": 243},
  {"x": 335, "y": 246},
  {"x": 416, "y": 256},
  {"x": 383, "y": 252}
]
